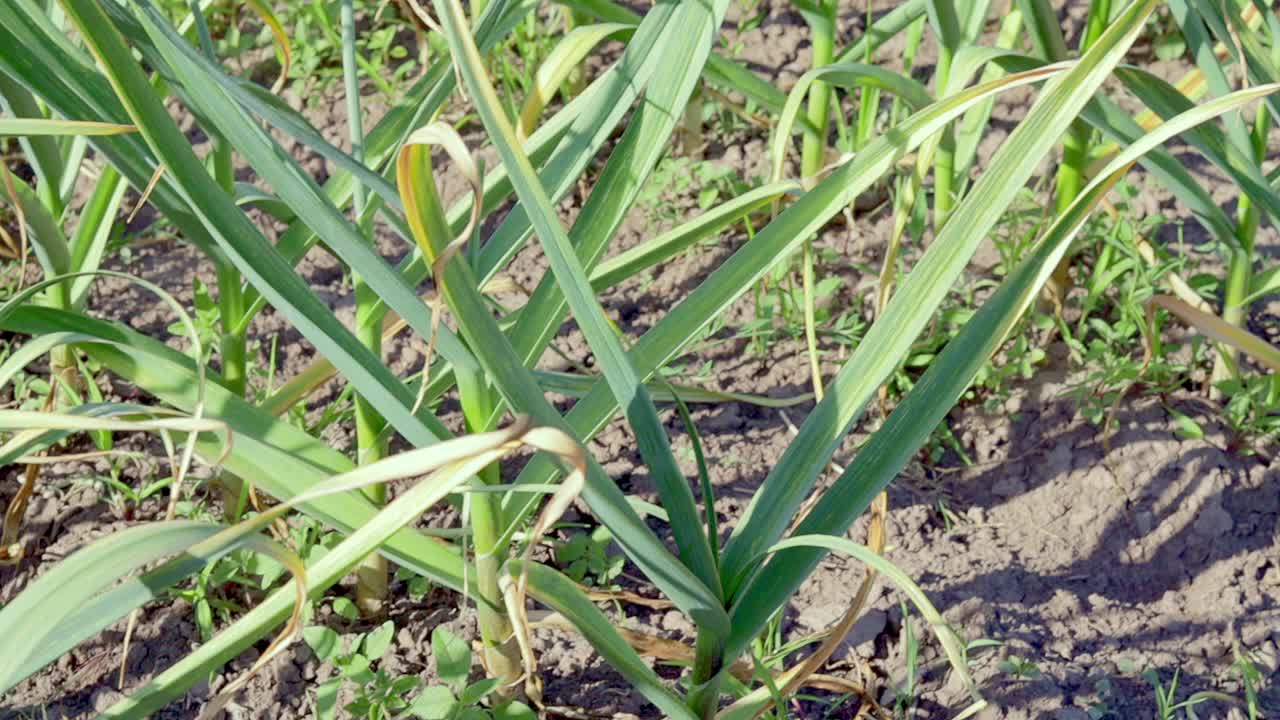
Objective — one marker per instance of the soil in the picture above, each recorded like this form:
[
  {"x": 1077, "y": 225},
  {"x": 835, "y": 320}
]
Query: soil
[{"x": 1090, "y": 557}]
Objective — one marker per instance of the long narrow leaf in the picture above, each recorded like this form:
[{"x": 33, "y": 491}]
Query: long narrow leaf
[
  {"x": 252, "y": 254},
  {"x": 275, "y": 456},
  {"x": 39, "y": 126},
  {"x": 45, "y": 619},
  {"x": 565, "y": 597},
  {"x": 519, "y": 388},
  {"x": 680, "y": 327},
  {"x": 887, "y": 341},
  {"x": 910, "y": 424}
]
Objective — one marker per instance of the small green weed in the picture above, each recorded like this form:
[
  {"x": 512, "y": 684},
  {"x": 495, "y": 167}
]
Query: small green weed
[
  {"x": 1105, "y": 692},
  {"x": 1252, "y": 411},
  {"x": 1166, "y": 37},
  {"x": 27, "y": 391},
  {"x": 1167, "y": 704},
  {"x": 455, "y": 698},
  {"x": 206, "y": 319},
  {"x": 904, "y": 696},
  {"x": 676, "y": 175},
  {"x": 417, "y": 586},
  {"x": 516, "y": 60},
  {"x": 122, "y": 496},
  {"x": 976, "y": 645},
  {"x": 586, "y": 558},
  {"x": 317, "y": 64},
  {"x": 1109, "y": 337},
  {"x": 208, "y": 592},
  {"x": 378, "y": 694},
  {"x": 779, "y": 306},
  {"x": 1252, "y": 680},
  {"x": 1020, "y": 668}
]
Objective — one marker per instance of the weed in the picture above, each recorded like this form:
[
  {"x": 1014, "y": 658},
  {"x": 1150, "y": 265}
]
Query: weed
[
  {"x": 1251, "y": 678},
  {"x": 208, "y": 593},
  {"x": 416, "y": 586},
  {"x": 206, "y": 319},
  {"x": 383, "y": 56},
  {"x": 1020, "y": 668},
  {"x": 1167, "y": 704},
  {"x": 123, "y": 496},
  {"x": 1252, "y": 410},
  {"x": 1100, "y": 708},
  {"x": 904, "y": 695},
  {"x": 1110, "y": 335},
  {"x": 675, "y": 176},
  {"x": 976, "y": 645},
  {"x": 586, "y": 558},
  {"x": 376, "y": 693},
  {"x": 517, "y": 59},
  {"x": 456, "y": 698}
]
